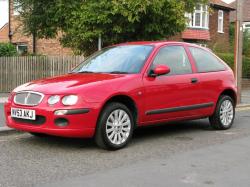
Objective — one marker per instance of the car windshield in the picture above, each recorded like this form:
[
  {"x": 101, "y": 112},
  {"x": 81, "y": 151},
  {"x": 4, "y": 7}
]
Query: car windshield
[{"x": 118, "y": 60}]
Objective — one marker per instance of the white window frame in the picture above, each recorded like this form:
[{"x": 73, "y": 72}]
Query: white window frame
[
  {"x": 221, "y": 21},
  {"x": 200, "y": 44},
  {"x": 192, "y": 17},
  {"x": 246, "y": 27}
]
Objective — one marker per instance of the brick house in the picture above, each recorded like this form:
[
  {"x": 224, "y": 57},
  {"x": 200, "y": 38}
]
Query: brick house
[
  {"x": 31, "y": 44},
  {"x": 246, "y": 14},
  {"x": 208, "y": 26},
  {"x": 4, "y": 33}
]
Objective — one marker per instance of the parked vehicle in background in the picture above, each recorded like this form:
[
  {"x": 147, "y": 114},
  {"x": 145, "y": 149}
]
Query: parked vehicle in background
[{"x": 126, "y": 86}]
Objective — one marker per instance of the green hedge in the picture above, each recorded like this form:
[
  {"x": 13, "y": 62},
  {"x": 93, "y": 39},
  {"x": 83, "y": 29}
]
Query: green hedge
[
  {"x": 7, "y": 49},
  {"x": 229, "y": 59}
]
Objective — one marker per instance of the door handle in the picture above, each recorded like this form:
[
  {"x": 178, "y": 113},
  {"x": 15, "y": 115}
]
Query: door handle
[{"x": 194, "y": 80}]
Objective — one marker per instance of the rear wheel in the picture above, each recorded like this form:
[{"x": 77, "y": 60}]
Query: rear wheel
[
  {"x": 224, "y": 114},
  {"x": 115, "y": 127}
]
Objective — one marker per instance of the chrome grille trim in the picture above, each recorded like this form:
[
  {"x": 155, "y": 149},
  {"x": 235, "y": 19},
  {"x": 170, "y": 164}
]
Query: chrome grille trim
[{"x": 28, "y": 94}]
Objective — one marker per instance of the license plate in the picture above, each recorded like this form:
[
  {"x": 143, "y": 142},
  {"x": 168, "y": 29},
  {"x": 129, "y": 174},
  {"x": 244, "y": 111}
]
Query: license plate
[{"x": 23, "y": 113}]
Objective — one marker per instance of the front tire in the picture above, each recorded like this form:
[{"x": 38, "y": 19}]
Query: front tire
[
  {"x": 224, "y": 114},
  {"x": 115, "y": 127}
]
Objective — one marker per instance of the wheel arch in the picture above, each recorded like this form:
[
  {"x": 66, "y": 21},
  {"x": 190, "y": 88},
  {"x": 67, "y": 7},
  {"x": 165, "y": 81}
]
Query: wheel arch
[
  {"x": 124, "y": 99},
  {"x": 229, "y": 92}
]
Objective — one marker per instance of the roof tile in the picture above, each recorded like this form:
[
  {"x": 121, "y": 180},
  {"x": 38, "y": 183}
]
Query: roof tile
[{"x": 196, "y": 34}]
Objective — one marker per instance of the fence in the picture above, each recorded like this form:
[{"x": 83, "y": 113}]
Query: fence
[{"x": 15, "y": 71}]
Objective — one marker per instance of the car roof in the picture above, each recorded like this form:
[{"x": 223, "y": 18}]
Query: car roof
[{"x": 157, "y": 43}]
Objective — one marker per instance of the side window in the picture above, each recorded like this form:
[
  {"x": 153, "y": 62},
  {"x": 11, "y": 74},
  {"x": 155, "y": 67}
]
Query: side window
[
  {"x": 205, "y": 61},
  {"x": 175, "y": 58}
]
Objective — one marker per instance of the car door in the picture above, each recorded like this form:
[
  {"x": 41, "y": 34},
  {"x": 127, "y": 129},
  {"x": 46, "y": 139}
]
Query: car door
[{"x": 175, "y": 95}]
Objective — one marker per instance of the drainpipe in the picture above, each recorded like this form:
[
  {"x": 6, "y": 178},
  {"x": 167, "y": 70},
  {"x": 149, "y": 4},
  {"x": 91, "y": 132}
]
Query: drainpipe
[
  {"x": 238, "y": 48},
  {"x": 10, "y": 32},
  {"x": 34, "y": 43},
  {"x": 99, "y": 42}
]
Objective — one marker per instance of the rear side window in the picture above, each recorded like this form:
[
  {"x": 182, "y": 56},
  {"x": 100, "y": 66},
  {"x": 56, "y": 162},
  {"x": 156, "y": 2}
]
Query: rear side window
[
  {"x": 175, "y": 58},
  {"x": 205, "y": 61}
]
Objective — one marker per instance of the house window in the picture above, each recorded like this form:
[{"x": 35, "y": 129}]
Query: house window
[
  {"x": 200, "y": 17},
  {"x": 22, "y": 49},
  {"x": 220, "y": 21}
]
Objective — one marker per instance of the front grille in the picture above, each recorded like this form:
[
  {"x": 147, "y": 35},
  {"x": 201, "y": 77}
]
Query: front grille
[
  {"x": 39, "y": 120},
  {"x": 28, "y": 98}
]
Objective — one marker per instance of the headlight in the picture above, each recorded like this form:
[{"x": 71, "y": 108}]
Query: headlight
[
  {"x": 70, "y": 100},
  {"x": 53, "y": 99}
]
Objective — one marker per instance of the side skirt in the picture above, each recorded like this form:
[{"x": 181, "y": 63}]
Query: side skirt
[{"x": 178, "y": 109}]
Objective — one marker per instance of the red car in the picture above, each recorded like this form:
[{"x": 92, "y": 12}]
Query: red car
[{"x": 126, "y": 86}]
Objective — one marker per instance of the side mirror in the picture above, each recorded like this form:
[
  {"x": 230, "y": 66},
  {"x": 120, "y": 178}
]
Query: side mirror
[{"x": 159, "y": 70}]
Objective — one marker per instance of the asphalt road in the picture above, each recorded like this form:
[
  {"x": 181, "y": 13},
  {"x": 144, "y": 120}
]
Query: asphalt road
[
  {"x": 202, "y": 167},
  {"x": 178, "y": 154}
]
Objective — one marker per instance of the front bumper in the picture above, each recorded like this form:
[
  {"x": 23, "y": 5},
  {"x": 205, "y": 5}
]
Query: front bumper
[{"x": 81, "y": 121}]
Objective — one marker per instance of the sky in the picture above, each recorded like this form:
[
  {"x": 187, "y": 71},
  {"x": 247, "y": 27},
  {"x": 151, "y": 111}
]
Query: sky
[{"x": 4, "y": 11}]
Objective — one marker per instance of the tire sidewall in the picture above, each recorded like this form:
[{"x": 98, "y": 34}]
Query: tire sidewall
[{"x": 103, "y": 120}]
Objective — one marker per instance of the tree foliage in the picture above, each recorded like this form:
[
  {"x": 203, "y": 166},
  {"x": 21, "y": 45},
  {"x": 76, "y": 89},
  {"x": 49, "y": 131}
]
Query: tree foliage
[{"x": 79, "y": 23}]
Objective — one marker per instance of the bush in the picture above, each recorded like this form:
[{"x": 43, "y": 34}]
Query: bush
[
  {"x": 246, "y": 43},
  {"x": 229, "y": 59},
  {"x": 246, "y": 40},
  {"x": 7, "y": 49}
]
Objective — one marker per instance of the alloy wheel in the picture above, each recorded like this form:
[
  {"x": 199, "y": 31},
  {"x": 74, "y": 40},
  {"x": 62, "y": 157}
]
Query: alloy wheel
[
  {"x": 226, "y": 113},
  {"x": 118, "y": 127}
]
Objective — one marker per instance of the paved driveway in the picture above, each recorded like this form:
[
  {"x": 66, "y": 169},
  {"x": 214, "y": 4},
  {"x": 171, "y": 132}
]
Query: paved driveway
[
  {"x": 246, "y": 96},
  {"x": 2, "y": 118},
  {"x": 246, "y": 91}
]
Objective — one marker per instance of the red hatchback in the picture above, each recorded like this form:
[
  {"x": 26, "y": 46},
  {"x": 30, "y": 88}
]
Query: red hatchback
[{"x": 126, "y": 86}]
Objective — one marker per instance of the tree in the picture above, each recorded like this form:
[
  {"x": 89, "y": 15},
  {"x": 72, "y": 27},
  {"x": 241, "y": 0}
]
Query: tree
[
  {"x": 80, "y": 23},
  {"x": 7, "y": 49}
]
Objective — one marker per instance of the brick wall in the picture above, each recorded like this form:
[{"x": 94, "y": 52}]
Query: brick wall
[
  {"x": 48, "y": 47},
  {"x": 219, "y": 41},
  {"x": 4, "y": 34}
]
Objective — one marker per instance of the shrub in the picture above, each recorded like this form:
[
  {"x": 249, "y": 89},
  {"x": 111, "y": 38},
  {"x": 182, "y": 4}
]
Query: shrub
[
  {"x": 7, "y": 49},
  {"x": 246, "y": 43},
  {"x": 246, "y": 40},
  {"x": 229, "y": 59}
]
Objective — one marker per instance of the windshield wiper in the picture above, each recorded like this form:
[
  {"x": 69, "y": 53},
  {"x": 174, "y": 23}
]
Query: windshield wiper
[
  {"x": 80, "y": 72},
  {"x": 112, "y": 72},
  {"x": 85, "y": 72},
  {"x": 118, "y": 72}
]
